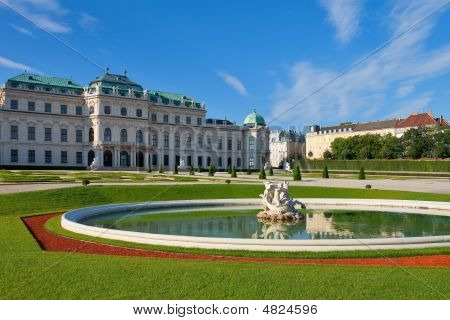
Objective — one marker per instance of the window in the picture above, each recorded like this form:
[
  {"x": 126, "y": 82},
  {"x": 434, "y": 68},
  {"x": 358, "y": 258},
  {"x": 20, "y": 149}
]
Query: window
[
  {"x": 177, "y": 140},
  {"x": 31, "y": 106},
  {"x": 139, "y": 113},
  {"x": 251, "y": 143},
  {"x": 63, "y": 109},
  {"x": 188, "y": 120},
  {"x": 63, "y": 156},
  {"x": 107, "y": 134},
  {"x": 166, "y": 159},
  {"x": 154, "y": 117},
  {"x": 219, "y": 144},
  {"x": 189, "y": 160},
  {"x": 79, "y": 136},
  {"x": 177, "y": 119},
  {"x": 48, "y": 134},
  {"x": 14, "y": 132},
  {"x": 48, "y": 156},
  {"x": 48, "y": 107},
  {"x": 154, "y": 160},
  {"x": 238, "y": 162},
  {"x": 78, "y": 110},
  {"x": 31, "y": 156},
  {"x": 63, "y": 135},
  {"x": 14, "y": 104},
  {"x": 239, "y": 145},
  {"x": 139, "y": 137},
  {"x": 154, "y": 140},
  {"x": 107, "y": 109},
  {"x": 188, "y": 141},
  {"x": 199, "y": 121},
  {"x": 251, "y": 161},
  {"x": 229, "y": 144},
  {"x": 91, "y": 134},
  {"x": 208, "y": 141},
  {"x": 123, "y": 112},
  {"x": 79, "y": 156},
  {"x": 166, "y": 118},
  {"x": 200, "y": 141},
  {"x": 14, "y": 155},
  {"x": 200, "y": 161},
  {"x": 123, "y": 136},
  {"x": 219, "y": 161},
  {"x": 166, "y": 140},
  {"x": 31, "y": 133},
  {"x": 91, "y": 110}
]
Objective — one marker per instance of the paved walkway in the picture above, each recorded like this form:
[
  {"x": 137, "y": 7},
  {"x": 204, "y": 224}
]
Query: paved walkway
[{"x": 435, "y": 185}]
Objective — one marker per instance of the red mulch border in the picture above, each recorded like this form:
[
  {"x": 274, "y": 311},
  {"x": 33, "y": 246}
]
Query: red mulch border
[{"x": 52, "y": 242}]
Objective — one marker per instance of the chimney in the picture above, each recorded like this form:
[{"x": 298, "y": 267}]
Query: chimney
[{"x": 430, "y": 113}]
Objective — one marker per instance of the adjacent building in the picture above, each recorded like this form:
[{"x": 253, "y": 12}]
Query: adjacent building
[
  {"x": 286, "y": 145},
  {"x": 51, "y": 121},
  {"x": 319, "y": 139}
]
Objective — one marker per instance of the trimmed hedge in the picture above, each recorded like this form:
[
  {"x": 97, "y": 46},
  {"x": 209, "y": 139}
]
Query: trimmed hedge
[
  {"x": 30, "y": 167},
  {"x": 379, "y": 165}
]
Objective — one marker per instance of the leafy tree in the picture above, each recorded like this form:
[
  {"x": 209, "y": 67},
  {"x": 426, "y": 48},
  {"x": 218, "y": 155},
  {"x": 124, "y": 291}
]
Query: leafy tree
[
  {"x": 325, "y": 173},
  {"x": 392, "y": 148},
  {"x": 233, "y": 172},
  {"x": 418, "y": 142},
  {"x": 327, "y": 155},
  {"x": 362, "y": 174},
  {"x": 296, "y": 174},
  {"x": 262, "y": 173}
]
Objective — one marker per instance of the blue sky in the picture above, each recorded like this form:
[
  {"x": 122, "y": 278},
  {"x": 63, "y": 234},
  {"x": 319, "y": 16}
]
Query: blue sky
[{"x": 234, "y": 55}]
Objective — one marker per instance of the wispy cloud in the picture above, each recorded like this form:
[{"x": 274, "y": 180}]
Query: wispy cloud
[
  {"x": 404, "y": 90},
  {"x": 6, "y": 63},
  {"x": 46, "y": 14},
  {"x": 232, "y": 81},
  {"x": 21, "y": 30},
  {"x": 87, "y": 21},
  {"x": 367, "y": 89},
  {"x": 345, "y": 16}
]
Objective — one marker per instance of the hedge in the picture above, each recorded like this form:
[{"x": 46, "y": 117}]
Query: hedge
[
  {"x": 38, "y": 167},
  {"x": 379, "y": 165}
]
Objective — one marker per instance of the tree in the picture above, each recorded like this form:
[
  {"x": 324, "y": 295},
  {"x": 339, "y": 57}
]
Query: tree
[
  {"x": 270, "y": 171},
  {"x": 362, "y": 174},
  {"x": 175, "y": 169},
  {"x": 149, "y": 169},
  {"x": 262, "y": 173},
  {"x": 296, "y": 174},
  {"x": 229, "y": 169},
  {"x": 418, "y": 142},
  {"x": 191, "y": 170},
  {"x": 327, "y": 155},
  {"x": 325, "y": 173},
  {"x": 199, "y": 169},
  {"x": 211, "y": 171},
  {"x": 392, "y": 148},
  {"x": 161, "y": 168},
  {"x": 233, "y": 172},
  {"x": 249, "y": 170}
]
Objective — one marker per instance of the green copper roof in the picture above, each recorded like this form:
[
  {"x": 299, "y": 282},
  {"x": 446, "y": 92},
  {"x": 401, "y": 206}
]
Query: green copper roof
[
  {"x": 109, "y": 80},
  {"x": 170, "y": 95},
  {"x": 44, "y": 80},
  {"x": 254, "y": 118}
]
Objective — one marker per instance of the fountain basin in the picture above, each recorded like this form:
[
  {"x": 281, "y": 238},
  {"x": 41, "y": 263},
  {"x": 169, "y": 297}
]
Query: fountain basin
[{"x": 76, "y": 221}]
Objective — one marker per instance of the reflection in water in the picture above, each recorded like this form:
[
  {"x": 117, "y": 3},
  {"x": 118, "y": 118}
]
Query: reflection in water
[{"x": 317, "y": 225}]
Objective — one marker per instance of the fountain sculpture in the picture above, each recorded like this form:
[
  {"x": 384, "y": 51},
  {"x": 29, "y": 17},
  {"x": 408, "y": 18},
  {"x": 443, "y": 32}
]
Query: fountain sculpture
[{"x": 278, "y": 205}]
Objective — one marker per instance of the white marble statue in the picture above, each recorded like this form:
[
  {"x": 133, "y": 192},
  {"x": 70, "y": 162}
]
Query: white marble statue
[
  {"x": 95, "y": 164},
  {"x": 182, "y": 165},
  {"x": 287, "y": 166},
  {"x": 266, "y": 166},
  {"x": 278, "y": 205}
]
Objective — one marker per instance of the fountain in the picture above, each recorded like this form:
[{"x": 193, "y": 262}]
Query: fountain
[{"x": 278, "y": 205}]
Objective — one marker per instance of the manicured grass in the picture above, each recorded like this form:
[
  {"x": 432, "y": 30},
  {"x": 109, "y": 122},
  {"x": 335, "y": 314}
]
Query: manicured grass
[{"x": 27, "y": 272}]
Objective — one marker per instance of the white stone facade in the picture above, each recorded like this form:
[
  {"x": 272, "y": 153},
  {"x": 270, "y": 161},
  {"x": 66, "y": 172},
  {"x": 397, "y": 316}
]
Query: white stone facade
[
  {"x": 50, "y": 126},
  {"x": 285, "y": 146}
]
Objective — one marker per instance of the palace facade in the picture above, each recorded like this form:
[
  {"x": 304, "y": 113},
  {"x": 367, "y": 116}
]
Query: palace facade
[{"x": 50, "y": 121}]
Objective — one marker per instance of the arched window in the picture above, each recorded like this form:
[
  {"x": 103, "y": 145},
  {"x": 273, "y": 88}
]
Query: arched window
[
  {"x": 139, "y": 113},
  {"x": 123, "y": 136},
  {"x": 91, "y": 110},
  {"x": 107, "y": 109},
  {"x": 107, "y": 158},
  {"x": 238, "y": 162},
  {"x": 219, "y": 162},
  {"x": 139, "y": 137},
  {"x": 107, "y": 134},
  {"x": 91, "y": 134},
  {"x": 123, "y": 111},
  {"x": 124, "y": 159}
]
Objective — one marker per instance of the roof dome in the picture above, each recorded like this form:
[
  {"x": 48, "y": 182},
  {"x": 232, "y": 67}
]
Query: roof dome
[{"x": 254, "y": 119}]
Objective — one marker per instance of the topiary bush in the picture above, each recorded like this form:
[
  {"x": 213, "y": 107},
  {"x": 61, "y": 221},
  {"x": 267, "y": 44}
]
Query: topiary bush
[
  {"x": 249, "y": 170},
  {"x": 233, "y": 172},
  {"x": 270, "y": 171},
  {"x": 161, "y": 168},
  {"x": 368, "y": 186},
  {"x": 199, "y": 169},
  {"x": 175, "y": 169},
  {"x": 149, "y": 169},
  {"x": 325, "y": 174},
  {"x": 296, "y": 174},
  {"x": 85, "y": 182},
  {"x": 227, "y": 181},
  {"x": 262, "y": 173},
  {"x": 229, "y": 169},
  {"x": 211, "y": 171},
  {"x": 362, "y": 174},
  {"x": 191, "y": 170}
]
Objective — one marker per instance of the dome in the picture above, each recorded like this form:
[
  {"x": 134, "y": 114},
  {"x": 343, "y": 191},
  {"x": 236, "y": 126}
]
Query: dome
[{"x": 254, "y": 119}]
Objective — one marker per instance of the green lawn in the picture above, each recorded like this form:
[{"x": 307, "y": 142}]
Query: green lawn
[{"x": 26, "y": 272}]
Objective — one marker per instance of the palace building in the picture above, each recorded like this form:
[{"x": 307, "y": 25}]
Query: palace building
[{"x": 50, "y": 121}]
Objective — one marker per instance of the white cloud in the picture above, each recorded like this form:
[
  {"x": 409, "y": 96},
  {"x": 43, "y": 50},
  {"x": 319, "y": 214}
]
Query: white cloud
[
  {"x": 87, "y": 21},
  {"x": 233, "y": 82},
  {"x": 345, "y": 16},
  {"x": 21, "y": 30},
  {"x": 4, "y": 62},
  {"x": 365, "y": 89},
  {"x": 416, "y": 105},
  {"x": 46, "y": 14},
  {"x": 405, "y": 90}
]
